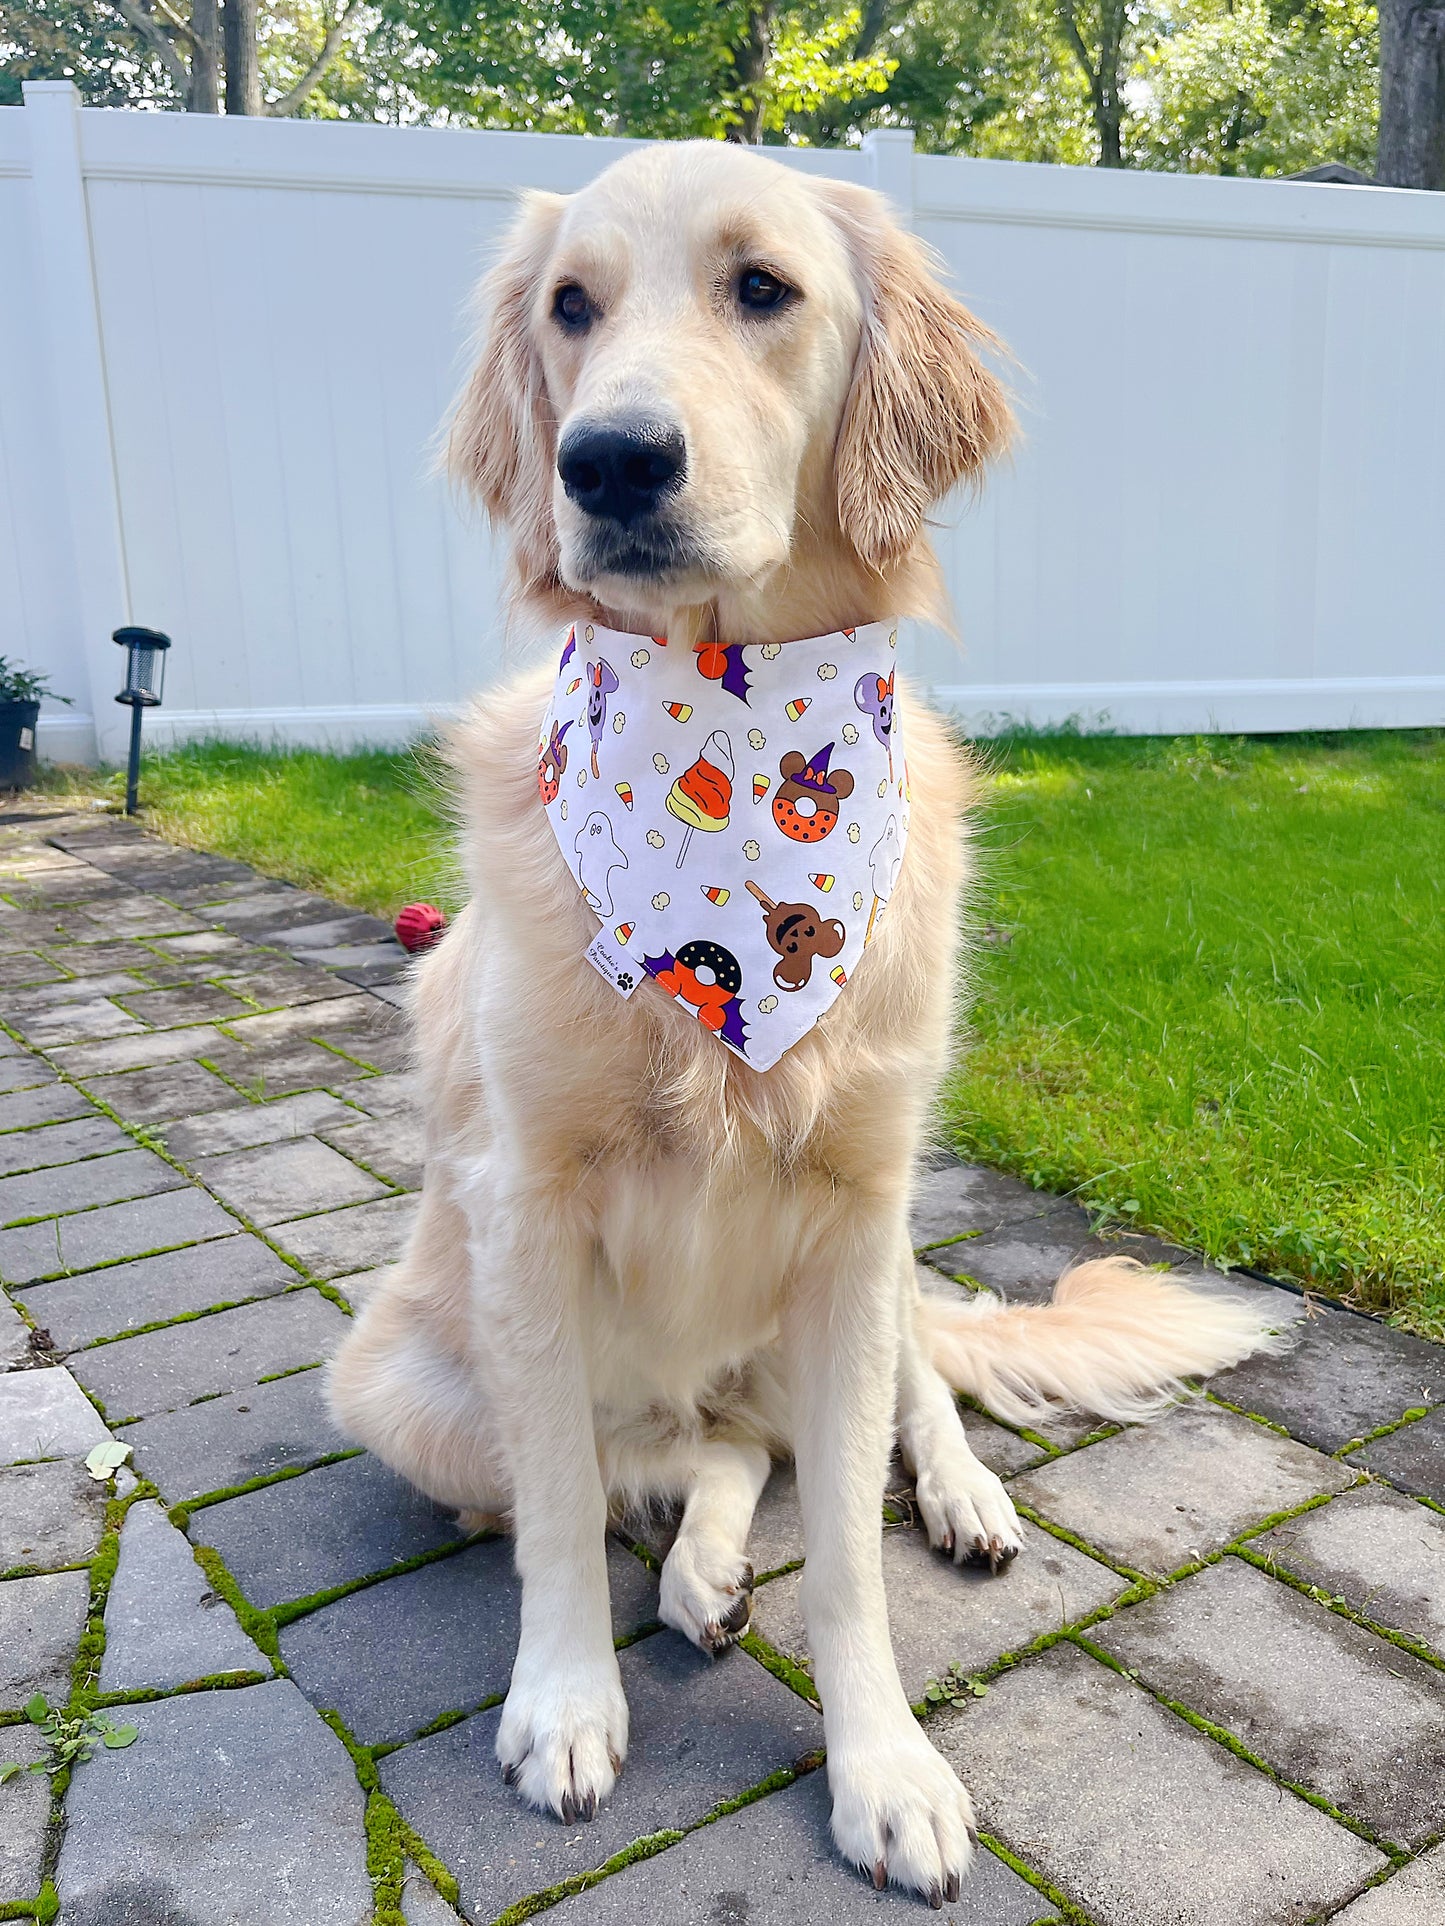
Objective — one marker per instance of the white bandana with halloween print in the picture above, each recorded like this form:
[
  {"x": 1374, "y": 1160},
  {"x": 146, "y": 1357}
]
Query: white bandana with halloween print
[{"x": 734, "y": 813}]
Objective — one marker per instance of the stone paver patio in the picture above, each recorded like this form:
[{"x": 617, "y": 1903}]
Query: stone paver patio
[{"x": 1212, "y": 1689}]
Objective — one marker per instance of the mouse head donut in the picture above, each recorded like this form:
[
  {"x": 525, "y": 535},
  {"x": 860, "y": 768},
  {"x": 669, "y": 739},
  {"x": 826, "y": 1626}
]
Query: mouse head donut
[
  {"x": 551, "y": 763},
  {"x": 805, "y": 802}
]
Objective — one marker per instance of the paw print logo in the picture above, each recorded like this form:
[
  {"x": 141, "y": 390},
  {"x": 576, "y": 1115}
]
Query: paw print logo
[
  {"x": 655, "y": 837},
  {"x": 850, "y": 734},
  {"x": 854, "y": 832},
  {"x": 771, "y": 651},
  {"x": 827, "y": 671},
  {"x": 752, "y": 850},
  {"x": 641, "y": 658},
  {"x": 857, "y": 899},
  {"x": 767, "y": 1005},
  {"x": 659, "y": 763},
  {"x": 661, "y": 900},
  {"x": 625, "y": 980},
  {"x": 619, "y": 723},
  {"x": 756, "y": 739}
]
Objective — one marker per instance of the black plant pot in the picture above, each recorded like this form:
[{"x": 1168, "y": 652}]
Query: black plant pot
[{"x": 17, "y": 744}]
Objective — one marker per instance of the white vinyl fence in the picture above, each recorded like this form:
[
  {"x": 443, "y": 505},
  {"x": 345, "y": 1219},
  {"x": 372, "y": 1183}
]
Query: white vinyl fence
[{"x": 225, "y": 345}]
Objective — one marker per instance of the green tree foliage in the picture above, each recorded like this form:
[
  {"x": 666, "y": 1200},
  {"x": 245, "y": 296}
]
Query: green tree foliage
[
  {"x": 1204, "y": 86},
  {"x": 1243, "y": 87},
  {"x": 70, "y": 40}
]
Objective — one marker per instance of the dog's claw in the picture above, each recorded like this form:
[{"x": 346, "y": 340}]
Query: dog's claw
[
  {"x": 935, "y": 1898},
  {"x": 510, "y": 1775},
  {"x": 880, "y": 1875},
  {"x": 569, "y": 1809},
  {"x": 951, "y": 1888},
  {"x": 972, "y": 1838},
  {"x": 588, "y": 1809}
]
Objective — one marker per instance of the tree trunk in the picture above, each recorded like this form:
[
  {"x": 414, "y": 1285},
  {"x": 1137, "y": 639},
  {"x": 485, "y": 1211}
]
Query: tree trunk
[
  {"x": 243, "y": 71},
  {"x": 1104, "y": 79},
  {"x": 203, "y": 92},
  {"x": 750, "y": 66},
  {"x": 1412, "y": 95}
]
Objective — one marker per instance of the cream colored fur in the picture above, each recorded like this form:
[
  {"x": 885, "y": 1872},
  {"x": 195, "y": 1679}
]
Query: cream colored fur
[{"x": 642, "y": 1270}]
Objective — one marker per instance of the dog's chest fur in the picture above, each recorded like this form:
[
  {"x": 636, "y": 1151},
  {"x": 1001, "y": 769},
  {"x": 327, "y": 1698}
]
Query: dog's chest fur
[{"x": 699, "y": 1182}]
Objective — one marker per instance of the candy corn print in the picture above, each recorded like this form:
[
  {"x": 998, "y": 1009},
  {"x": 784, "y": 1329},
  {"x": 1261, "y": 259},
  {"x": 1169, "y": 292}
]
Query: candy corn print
[{"x": 736, "y": 816}]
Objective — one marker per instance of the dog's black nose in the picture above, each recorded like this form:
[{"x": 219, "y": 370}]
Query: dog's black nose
[{"x": 620, "y": 471}]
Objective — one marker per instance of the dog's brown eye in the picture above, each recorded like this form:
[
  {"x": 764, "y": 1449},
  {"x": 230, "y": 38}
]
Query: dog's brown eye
[
  {"x": 571, "y": 307},
  {"x": 760, "y": 290}
]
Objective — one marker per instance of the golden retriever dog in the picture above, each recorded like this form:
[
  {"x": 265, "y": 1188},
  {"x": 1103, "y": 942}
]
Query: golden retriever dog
[{"x": 643, "y": 1270}]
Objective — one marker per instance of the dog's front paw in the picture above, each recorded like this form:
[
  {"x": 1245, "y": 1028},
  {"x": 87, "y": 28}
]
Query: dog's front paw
[
  {"x": 900, "y": 1813},
  {"x": 563, "y": 1736},
  {"x": 966, "y": 1511},
  {"x": 708, "y": 1598}
]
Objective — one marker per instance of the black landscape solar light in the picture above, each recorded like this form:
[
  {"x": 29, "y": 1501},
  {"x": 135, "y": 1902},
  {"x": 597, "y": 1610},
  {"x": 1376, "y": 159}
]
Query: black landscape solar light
[{"x": 145, "y": 675}]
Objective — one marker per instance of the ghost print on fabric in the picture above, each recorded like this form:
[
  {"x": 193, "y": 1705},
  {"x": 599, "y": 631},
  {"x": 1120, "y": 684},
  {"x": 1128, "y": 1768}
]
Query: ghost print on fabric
[{"x": 741, "y": 833}]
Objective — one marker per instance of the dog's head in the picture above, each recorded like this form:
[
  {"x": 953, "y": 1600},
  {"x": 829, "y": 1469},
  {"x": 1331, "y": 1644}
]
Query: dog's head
[{"x": 705, "y": 360}]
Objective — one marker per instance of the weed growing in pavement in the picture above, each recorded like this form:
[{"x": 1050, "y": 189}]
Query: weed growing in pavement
[{"x": 68, "y": 1738}]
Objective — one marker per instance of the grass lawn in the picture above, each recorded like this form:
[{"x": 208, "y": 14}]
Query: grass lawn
[{"x": 1210, "y": 989}]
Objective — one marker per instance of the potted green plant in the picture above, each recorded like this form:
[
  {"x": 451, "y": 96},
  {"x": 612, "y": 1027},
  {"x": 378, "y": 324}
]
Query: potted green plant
[{"x": 21, "y": 691}]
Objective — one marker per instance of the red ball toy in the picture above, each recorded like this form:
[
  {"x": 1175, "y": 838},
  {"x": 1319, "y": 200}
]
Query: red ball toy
[{"x": 418, "y": 926}]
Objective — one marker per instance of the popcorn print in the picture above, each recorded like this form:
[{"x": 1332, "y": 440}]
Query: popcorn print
[{"x": 757, "y": 890}]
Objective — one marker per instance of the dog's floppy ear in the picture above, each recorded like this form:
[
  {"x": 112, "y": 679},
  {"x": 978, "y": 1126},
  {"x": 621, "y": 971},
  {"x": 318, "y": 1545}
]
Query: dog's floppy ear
[
  {"x": 923, "y": 413},
  {"x": 501, "y": 441}
]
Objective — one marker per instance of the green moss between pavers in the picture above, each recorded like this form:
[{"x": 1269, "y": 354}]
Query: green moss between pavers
[
  {"x": 291, "y": 1371},
  {"x": 185, "y": 1317},
  {"x": 1067, "y": 1537},
  {"x": 44, "y": 1908},
  {"x": 257, "y": 1625},
  {"x": 1067, "y": 1910},
  {"x": 385, "y": 1860},
  {"x": 288, "y": 1612},
  {"x": 1231, "y": 1743},
  {"x": 786, "y": 1670},
  {"x": 1412, "y": 1416},
  {"x": 179, "y": 1513},
  {"x": 1292, "y": 1511},
  {"x": 1243, "y": 1411},
  {"x": 652, "y": 1844},
  {"x": 1336, "y": 1603},
  {"x": 946, "y": 1243}
]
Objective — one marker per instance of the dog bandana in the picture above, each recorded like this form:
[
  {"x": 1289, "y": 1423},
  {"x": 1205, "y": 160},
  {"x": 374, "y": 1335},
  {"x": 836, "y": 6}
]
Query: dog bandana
[{"x": 734, "y": 813}]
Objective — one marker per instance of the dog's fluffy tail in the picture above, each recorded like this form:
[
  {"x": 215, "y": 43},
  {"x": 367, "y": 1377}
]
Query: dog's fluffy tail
[{"x": 1116, "y": 1339}]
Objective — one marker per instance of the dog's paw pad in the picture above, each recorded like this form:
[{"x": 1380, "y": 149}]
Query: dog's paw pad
[
  {"x": 968, "y": 1515},
  {"x": 900, "y": 1815},
  {"x": 708, "y": 1601},
  {"x": 561, "y": 1744}
]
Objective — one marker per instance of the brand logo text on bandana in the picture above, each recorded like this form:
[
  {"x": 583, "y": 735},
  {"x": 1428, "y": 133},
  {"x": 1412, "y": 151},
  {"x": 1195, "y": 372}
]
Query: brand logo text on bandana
[{"x": 734, "y": 813}]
